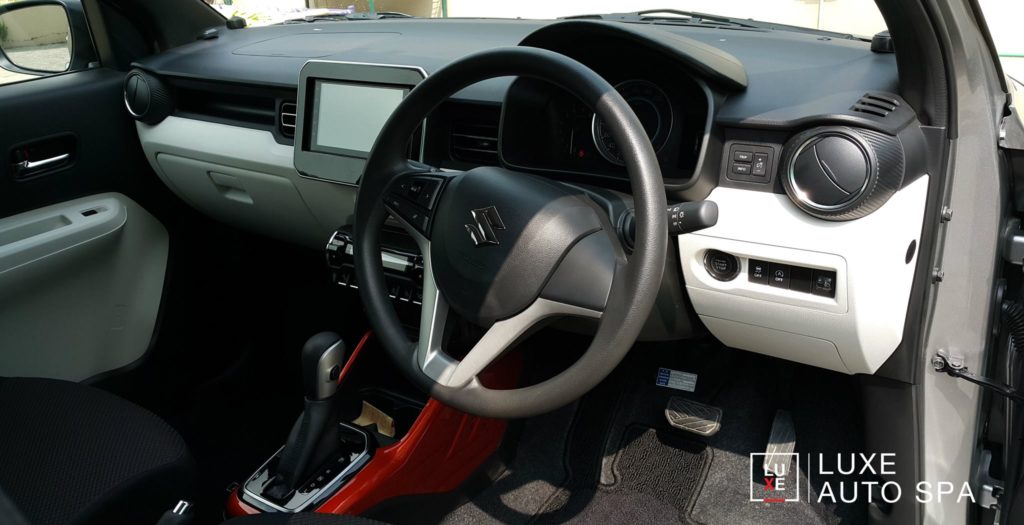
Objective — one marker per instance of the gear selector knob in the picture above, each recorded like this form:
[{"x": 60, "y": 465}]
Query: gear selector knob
[
  {"x": 323, "y": 357},
  {"x": 314, "y": 437}
]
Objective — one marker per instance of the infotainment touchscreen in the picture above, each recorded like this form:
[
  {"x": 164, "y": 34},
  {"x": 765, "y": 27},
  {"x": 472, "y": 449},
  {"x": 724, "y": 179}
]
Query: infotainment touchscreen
[
  {"x": 348, "y": 117},
  {"x": 341, "y": 109}
]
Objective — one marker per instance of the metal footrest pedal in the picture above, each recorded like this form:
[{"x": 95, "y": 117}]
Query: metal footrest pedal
[
  {"x": 691, "y": 416},
  {"x": 781, "y": 443}
]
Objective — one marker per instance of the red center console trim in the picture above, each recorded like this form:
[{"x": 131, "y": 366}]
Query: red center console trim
[
  {"x": 441, "y": 450},
  {"x": 355, "y": 354},
  {"x": 237, "y": 507}
]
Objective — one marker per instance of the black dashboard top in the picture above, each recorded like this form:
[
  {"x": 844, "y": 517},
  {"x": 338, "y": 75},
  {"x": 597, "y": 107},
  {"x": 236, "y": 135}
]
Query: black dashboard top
[{"x": 789, "y": 77}]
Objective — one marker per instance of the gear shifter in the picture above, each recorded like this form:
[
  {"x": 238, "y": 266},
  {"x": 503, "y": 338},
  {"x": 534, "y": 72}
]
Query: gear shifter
[{"x": 315, "y": 436}]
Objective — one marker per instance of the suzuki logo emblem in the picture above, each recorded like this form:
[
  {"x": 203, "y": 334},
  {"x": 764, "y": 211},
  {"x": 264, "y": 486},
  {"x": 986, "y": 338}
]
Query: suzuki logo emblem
[{"x": 485, "y": 221}]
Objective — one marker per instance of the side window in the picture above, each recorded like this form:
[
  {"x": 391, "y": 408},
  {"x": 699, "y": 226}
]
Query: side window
[{"x": 42, "y": 38}]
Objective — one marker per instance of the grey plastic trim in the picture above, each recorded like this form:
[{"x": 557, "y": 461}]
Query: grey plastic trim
[
  {"x": 334, "y": 356},
  {"x": 257, "y": 161},
  {"x": 80, "y": 287},
  {"x": 46, "y": 232}
]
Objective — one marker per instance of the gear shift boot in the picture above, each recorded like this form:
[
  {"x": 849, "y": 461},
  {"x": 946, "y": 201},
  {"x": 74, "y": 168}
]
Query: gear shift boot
[{"x": 312, "y": 440}]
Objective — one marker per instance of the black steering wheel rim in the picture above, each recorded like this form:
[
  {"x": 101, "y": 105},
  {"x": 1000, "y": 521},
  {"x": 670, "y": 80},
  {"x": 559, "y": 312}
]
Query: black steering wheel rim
[{"x": 636, "y": 281}]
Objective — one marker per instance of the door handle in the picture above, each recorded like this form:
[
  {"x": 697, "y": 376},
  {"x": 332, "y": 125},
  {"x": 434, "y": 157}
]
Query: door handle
[
  {"x": 42, "y": 156},
  {"x": 38, "y": 164}
]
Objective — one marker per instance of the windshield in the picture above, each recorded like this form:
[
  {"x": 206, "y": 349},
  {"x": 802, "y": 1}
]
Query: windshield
[
  {"x": 857, "y": 17},
  {"x": 1004, "y": 22},
  {"x": 854, "y": 17}
]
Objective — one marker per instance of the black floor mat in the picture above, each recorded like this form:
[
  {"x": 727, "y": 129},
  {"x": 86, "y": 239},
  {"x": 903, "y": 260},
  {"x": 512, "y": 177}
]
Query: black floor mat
[
  {"x": 656, "y": 476},
  {"x": 621, "y": 462}
]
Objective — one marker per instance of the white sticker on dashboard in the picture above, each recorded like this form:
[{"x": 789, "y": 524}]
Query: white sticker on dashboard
[{"x": 684, "y": 381}]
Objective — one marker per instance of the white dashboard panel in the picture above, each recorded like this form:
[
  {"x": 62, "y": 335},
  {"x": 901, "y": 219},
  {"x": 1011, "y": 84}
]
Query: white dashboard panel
[
  {"x": 244, "y": 177},
  {"x": 864, "y": 321}
]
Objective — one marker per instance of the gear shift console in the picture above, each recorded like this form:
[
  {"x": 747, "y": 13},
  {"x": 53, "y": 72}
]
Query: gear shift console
[{"x": 321, "y": 453}]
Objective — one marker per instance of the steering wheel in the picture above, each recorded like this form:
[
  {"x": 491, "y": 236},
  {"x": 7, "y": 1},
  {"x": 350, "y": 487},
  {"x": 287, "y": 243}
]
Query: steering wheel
[{"x": 509, "y": 250}]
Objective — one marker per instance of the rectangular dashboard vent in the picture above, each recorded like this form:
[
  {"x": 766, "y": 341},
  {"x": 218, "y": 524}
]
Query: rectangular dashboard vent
[
  {"x": 876, "y": 104},
  {"x": 475, "y": 142},
  {"x": 286, "y": 119}
]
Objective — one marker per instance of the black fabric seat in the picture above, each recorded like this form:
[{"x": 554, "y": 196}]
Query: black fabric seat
[
  {"x": 302, "y": 518},
  {"x": 73, "y": 454}
]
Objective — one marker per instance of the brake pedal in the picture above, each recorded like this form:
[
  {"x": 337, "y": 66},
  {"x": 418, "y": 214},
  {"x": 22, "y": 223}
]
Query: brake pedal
[
  {"x": 781, "y": 442},
  {"x": 691, "y": 416}
]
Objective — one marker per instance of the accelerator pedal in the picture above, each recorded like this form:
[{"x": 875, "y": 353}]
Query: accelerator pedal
[
  {"x": 691, "y": 416},
  {"x": 781, "y": 442}
]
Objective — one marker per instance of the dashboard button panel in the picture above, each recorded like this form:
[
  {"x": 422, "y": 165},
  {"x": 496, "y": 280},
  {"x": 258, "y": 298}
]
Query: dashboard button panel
[
  {"x": 787, "y": 276},
  {"x": 750, "y": 163},
  {"x": 760, "y": 165},
  {"x": 800, "y": 279},
  {"x": 757, "y": 271},
  {"x": 824, "y": 283},
  {"x": 778, "y": 275}
]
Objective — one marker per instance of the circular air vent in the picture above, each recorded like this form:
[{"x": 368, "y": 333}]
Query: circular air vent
[
  {"x": 840, "y": 173},
  {"x": 146, "y": 97}
]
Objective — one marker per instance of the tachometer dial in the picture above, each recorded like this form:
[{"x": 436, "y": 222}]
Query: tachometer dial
[{"x": 651, "y": 105}]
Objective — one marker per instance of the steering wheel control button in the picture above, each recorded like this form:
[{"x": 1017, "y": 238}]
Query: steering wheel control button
[
  {"x": 721, "y": 265},
  {"x": 757, "y": 271},
  {"x": 749, "y": 163},
  {"x": 824, "y": 283},
  {"x": 779, "y": 275},
  {"x": 412, "y": 199}
]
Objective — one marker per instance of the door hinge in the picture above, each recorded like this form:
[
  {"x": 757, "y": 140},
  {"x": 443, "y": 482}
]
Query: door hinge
[
  {"x": 954, "y": 367},
  {"x": 1013, "y": 242},
  {"x": 1011, "y": 130},
  {"x": 988, "y": 490}
]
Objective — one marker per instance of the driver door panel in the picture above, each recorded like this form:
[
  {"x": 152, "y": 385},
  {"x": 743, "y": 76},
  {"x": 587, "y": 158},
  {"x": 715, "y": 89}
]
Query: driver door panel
[{"x": 82, "y": 255}]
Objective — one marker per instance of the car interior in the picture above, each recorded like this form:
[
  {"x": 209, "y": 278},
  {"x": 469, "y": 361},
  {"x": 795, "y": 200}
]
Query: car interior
[{"x": 389, "y": 269}]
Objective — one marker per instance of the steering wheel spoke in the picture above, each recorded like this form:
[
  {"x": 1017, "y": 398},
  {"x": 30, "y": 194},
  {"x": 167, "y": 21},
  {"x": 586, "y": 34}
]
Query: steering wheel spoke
[{"x": 498, "y": 339}]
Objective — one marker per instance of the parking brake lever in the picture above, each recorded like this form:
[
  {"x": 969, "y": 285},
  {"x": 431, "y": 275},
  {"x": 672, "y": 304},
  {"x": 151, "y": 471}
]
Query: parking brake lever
[{"x": 685, "y": 217}]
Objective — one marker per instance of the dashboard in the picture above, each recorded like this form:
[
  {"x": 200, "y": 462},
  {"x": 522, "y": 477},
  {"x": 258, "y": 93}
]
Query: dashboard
[{"x": 818, "y": 168}]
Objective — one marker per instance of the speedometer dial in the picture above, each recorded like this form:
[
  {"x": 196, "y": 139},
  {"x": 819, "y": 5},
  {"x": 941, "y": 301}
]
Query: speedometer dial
[{"x": 651, "y": 106}]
